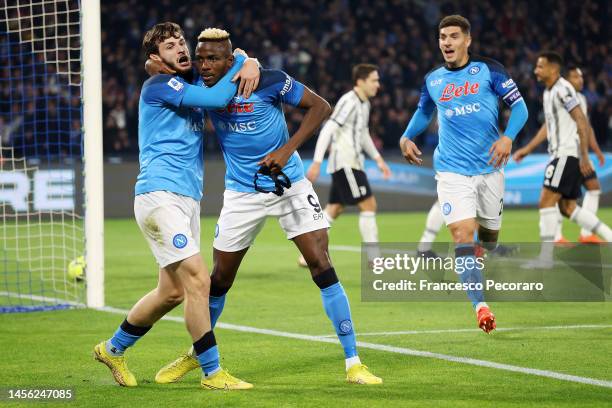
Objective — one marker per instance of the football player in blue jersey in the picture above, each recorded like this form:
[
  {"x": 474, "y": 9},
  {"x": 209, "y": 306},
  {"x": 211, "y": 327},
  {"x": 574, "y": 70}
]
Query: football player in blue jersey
[
  {"x": 471, "y": 152},
  {"x": 167, "y": 205},
  {"x": 254, "y": 139}
]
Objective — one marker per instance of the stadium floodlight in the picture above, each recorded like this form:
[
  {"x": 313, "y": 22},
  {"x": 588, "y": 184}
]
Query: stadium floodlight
[{"x": 51, "y": 183}]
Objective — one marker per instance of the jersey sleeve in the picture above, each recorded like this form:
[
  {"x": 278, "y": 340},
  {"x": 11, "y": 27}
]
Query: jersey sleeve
[
  {"x": 426, "y": 103},
  {"x": 502, "y": 84},
  {"x": 164, "y": 90},
  {"x": 567, "y": 96},
  {"x": 282, "y": 87},
  {"x": 343, "y": 111}
]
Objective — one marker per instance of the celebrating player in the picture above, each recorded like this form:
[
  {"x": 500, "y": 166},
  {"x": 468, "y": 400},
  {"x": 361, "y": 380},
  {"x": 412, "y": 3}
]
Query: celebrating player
[
  {"x": 167, "y": 205},
  {"x": 470, "y": 154},
  {"x": 256, "y": 145},
  {"x": 567, "y": 131},
  {"x": 590, "y": 182},
  {"x": 348, "y": 132}
]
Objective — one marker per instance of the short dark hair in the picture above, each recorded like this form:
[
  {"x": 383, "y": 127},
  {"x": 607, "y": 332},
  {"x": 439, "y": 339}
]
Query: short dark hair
[
  {"x": 158, "y": 34},
  {"x": 552, "y": 57},
  {"x": 455, "y": 20},
  {"x": 362, "y": 71},
  {"x": 572, "y": 67}
]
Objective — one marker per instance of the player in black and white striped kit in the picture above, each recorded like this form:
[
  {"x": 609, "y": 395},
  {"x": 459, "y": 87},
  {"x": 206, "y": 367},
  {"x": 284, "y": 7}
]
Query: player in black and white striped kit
[
  {"x": 347, "y": 131},
  {"x": 568, "y": 134}
]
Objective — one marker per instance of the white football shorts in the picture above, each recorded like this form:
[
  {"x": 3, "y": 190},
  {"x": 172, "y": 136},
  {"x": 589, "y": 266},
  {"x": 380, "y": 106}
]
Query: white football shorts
[
  {"x": 480, "y": 197},
  {"x": 170, "y": 223},
  {"x": 244, "y": 214}
]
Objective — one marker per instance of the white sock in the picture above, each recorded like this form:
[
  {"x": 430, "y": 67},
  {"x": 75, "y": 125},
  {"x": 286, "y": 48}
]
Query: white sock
[
  {"x": 369, "y": 233},
  {"x": 548, "y": 225},
  {"x": 559, "y": 230},
  {"x": 432, "y": 227},
  {"x": 589, "y": 221},
  {"x": 351, "y": 361},
  {"x": 591, "y": 204}
]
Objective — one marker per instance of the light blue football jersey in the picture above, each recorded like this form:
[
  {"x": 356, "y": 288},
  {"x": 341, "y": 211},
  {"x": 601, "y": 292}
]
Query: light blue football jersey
[
  {"x": 467, "y": 99},
  {"x": 249, "y": 129}
]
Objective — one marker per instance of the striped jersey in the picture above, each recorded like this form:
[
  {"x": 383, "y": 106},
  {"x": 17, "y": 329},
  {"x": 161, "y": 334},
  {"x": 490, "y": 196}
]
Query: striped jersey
[
  {"x": 562, "y": 131},
  {"x": 350, "y": 136}
]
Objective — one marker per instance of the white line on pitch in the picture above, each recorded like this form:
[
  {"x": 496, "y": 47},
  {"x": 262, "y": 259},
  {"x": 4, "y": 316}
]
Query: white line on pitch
[
  {"x": 533, "y": 328},
  {"x": 399, "y": 350}
]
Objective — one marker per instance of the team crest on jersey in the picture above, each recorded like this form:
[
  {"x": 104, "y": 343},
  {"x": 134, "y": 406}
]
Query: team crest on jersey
[
  {"x": 179, "y": 241},
  {"x": 474, "y": 70},
  {"x": 446, "y": 208},
  {"x": 175, "y": 84}
]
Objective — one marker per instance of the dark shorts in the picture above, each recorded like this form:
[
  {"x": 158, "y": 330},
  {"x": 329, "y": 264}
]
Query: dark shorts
[
  {"x": 349, "y": 187},
  {"x": 562, "y": 175}
]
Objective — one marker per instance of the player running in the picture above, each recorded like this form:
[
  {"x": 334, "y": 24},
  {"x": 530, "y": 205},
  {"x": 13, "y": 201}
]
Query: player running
[
  {"x": 167, "y": 206},
  {"x": 590, "y": 182},
  {"x": 471, "y": 154},
  {"x": 254, "y": 139},
  {"x": 567, "y": 131},
  {"x": 348, "y": 132}
]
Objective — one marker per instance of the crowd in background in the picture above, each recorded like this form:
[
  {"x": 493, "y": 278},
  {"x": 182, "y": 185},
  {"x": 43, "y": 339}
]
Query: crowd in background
[{"x": 318, "y": 41}]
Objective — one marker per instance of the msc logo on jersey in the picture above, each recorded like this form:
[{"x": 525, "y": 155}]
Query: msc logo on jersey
[
  {"x": 474, "y": 70},
  {"x": 452, "y": 91},
  {"x": 435, "y": 82},
  {"x": 446, "y": 208},
  {"x": 179, "y": 241},
  {"x": 462, "y": 110},
  {"x": 237, "y": 127},
  {"x": 175, "y": 84}
]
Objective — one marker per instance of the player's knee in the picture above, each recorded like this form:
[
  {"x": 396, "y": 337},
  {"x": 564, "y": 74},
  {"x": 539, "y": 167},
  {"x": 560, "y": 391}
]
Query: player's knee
[
  {"x": 174, "y": 298},
  {"x": 567, "y": 207},
  {"x": 219, "y": 284},
  {"x": 197, "y": 286},
  {"x": 318, "y": 264}
]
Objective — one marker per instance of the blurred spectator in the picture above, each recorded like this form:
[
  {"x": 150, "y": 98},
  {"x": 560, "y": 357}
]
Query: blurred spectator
[{"x": 318, "y": 41}]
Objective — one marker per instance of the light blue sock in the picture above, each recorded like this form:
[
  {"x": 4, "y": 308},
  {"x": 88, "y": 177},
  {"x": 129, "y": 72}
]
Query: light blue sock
[
  {"x": 207, "y": 353},
  {"x": 125, "y": 336},
  {"x": 215, "y": 305},
  {"x": 337, "y": 308},
  {"x": 209, "y": 360},
  {"x": 469, "y": 271}
]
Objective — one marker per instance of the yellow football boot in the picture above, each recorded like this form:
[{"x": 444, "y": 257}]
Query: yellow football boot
[
  {"x": 177, "y": 369},
  {"x": 222, "y": 380},
  {"x": 359, "y": 374},
  {"x": 117, "y": 365}
]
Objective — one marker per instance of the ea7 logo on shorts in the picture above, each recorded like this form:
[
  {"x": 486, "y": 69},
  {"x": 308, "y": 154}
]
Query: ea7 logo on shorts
[
  {"x": 446, "y": 208},
  {"x": 435, "y": 82},
  {"x": 179, "y": 241},
  {"x": 345, "y": 326},
  {"x": 175, "y": 84}
]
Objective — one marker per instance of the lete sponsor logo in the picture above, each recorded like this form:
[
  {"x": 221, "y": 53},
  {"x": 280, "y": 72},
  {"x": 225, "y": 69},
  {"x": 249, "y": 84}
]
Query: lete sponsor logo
[{"x": 452, "y": 91}]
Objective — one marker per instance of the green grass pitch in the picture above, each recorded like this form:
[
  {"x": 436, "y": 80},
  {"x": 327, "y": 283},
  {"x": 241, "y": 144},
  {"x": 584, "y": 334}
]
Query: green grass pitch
[{"x": 271, "y": 292}]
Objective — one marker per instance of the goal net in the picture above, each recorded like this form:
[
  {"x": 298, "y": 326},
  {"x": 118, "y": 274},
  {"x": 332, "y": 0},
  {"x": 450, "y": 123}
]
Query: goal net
[{"x": 42, "y": 166}]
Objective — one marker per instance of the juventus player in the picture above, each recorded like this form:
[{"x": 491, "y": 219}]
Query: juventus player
[
  {"x": 348, "y": 132},
  {"x": 568, "y": 133}
]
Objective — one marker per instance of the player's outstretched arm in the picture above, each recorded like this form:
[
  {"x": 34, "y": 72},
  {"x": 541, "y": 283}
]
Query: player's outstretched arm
[
  {"x": 417, "y": 125},
  {"x": 217, "y": 96},
  {"x": 368, "y": 146},
  {"x": 317, "y": 110},
  {"x": 323, "y": 142},
  {"x": 501, "y": 149},
  {"x": 594, "y": 146},
  {"x": 586, "y": 168},
  {"x": 540, "y": 137}
]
